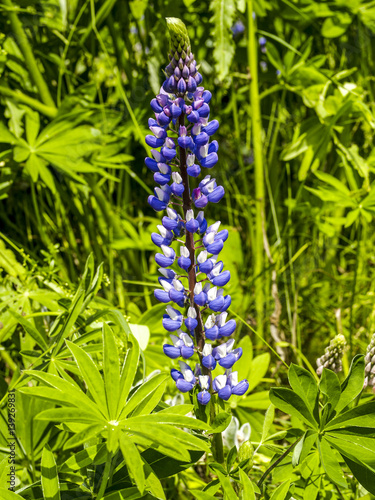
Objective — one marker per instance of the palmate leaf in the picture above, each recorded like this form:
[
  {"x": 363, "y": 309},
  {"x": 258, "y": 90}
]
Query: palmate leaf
[
  {"x": 89, "y": 418},
  {"x": 222, "y": 20}
]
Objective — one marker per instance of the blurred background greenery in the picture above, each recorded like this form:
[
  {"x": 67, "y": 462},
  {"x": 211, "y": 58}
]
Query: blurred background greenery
[{"x": 76, "y": 79}]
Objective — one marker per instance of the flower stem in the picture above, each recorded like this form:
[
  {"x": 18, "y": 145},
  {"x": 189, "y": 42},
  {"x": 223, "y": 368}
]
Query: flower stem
[
  {"x": 258, "y": 169},
  {"x": 217, "y": 439},
  {"x": 186, "y": 199}
]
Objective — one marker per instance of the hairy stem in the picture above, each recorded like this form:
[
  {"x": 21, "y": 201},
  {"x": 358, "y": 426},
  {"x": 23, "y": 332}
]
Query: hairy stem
[
  {"x": 27, "y": 53},
  {"x": 217, "y": 439},
  {"x": 192, "y": 276}
]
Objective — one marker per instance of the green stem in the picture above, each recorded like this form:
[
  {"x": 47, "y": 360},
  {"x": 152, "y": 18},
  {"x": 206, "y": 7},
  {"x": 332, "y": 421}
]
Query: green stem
[
  {"x": 276, "y": 462},
  {"x": 18, "y": 96},
  {"x": 106, "y": 476},
  {"x": 28, "y": 55},
  {"x": 217, "y": 439},
  {"x": 258, "y": 169},
  {"x": 354, "y": 287}
]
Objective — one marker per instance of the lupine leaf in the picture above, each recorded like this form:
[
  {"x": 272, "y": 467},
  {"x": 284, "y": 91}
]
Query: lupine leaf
[
  {"x": 304, "y": 384},
  {"x": 151, "y": 401},
  {"x": 364, "y": 474},
  {"x": 281, "y": 491},
  {"x": 75, "y": 396},
  {"x": 171, "y": 419},
  {"x": 363, "y": 416},
  {"x": 359, "y": 447},
  {"x": 178, "y": 409},
  {"x": 142, "y": 393},
  {"x": 330, "y": 463},
  {"x": 9, "y": 495},
  {"x": 202, "y": 495},
  {"x": 81, "y": 459},
  {"x": 304, "y": 446},
  {"x": 133, "y": 461},
  {"x": 268, "y": 420},
  {"x": 161, "y": 440},
  {"x": 69, "y": 415},
  {"x": 227, "y": 487},
  {"x": 164, "y": 466},
  {"x": 50, "y": 480},
  {"x": 90, "y": 375},
  {"x": 111, "y": 370},
  {"x": 353, "y": 384},
  {"x": 222, "y": 20},
  {"x": 247, "y": 485},
  {"x": 153, "y": 482},
  {"x": 128, "y": 372},
  {"x": 330, "y": 387},
  {"x": 289, "y": 402},
  {"x": 30, "y": 330},
  {"x": 83, "y": 436}
]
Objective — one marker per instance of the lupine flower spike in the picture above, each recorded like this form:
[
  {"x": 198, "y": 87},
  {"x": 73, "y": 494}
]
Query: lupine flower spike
[
  {"x": 332, "y": 358},
  {"x": 370, "y": 365},
  {"x": 191, "y": 280}
]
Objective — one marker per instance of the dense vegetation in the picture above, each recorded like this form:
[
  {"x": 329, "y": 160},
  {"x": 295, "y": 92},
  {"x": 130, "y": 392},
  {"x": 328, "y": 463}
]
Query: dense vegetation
[{"x": 294, "y": 90}]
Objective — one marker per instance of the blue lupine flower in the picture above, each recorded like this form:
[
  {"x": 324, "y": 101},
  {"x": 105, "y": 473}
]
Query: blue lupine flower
[
  {"x": 182, "y": 110},
  {"x": 182, "y": 346},
  {"x": 204, "y": 396},
  {"x": 225, "y": 356},
  {"x": 207, "y": 359},
  {"x": 185, "y": 378}
]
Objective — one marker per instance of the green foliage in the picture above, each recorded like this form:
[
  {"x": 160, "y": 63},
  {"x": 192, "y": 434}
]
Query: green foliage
[{"x": 338, "y": 425}]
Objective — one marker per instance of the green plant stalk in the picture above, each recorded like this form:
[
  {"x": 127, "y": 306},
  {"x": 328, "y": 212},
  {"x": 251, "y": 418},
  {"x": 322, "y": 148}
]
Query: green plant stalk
[
  {"x": 27, "y": 52},
  {"x": 258, "y": 169},
  {"x": 278, "y": 461},
  {"x": 217, "y": 439},
  {"x": 19, "y": 96}
]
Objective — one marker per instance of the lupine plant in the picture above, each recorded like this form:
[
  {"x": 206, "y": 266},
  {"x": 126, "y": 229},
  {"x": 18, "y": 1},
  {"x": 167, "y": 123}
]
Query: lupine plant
[{"x": 193, "y": 281}]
